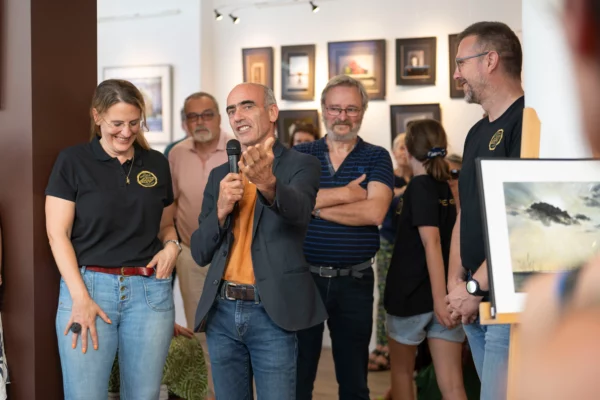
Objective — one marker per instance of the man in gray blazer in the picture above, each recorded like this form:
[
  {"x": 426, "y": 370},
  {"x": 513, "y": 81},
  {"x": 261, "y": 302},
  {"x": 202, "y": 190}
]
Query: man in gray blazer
[{"x": 258, "y": 291}]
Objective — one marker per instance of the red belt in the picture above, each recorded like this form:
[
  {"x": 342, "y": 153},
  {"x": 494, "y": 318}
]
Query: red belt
[{"x": 125, "y": 271}]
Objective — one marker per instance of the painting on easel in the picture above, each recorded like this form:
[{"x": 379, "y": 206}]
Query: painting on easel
[{"x": 540, "y": 216}]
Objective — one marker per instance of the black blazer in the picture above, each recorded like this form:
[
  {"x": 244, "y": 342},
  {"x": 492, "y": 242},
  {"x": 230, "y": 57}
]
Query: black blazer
[{"x": 286, "y": 287}]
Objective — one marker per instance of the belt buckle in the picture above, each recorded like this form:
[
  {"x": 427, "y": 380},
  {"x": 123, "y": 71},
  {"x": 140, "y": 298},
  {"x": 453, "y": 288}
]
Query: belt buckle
[
  {"x": 122, "y": 271},
  {"x": 226, "y": 295},
  {"x": 321, "y": 268}
]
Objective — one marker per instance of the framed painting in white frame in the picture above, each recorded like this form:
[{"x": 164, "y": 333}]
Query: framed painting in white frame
[
  {"x": 154, "y": 82},
  {"x": 540, "y": 216}
]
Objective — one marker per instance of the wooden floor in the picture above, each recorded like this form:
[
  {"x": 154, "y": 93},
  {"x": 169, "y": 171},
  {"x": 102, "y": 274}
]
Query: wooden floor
[{"x": 326, "y": 387}]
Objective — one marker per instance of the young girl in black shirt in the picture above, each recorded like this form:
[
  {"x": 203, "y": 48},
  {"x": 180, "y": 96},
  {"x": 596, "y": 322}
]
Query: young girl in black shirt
[{"x": 415, "y": 291}]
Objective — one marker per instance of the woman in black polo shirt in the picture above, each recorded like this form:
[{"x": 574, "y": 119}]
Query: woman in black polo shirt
[
  {"x": 109, "y": 219},
  {"x": 415, "y": 289}
]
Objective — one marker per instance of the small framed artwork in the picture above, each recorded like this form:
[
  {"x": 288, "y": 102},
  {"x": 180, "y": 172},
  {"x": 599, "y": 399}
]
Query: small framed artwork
[
  {"x": 154, "y": 82},
  {"x": 456, "y": 90},
  {"x": 416, "y": 61},
  {"x": 288, "y": 120},
  {"x": 363, "y": 60},
  {"x": 298, "y": 72},
  {"x": 258, "y": 65},
  {"x": 540, "y": 217},
  {"x": 401, "y": 115}
]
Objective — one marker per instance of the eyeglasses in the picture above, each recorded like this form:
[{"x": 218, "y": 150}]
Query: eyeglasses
[
  {"x": 117, "y": 126},
  {"x": 460, "y": 61},
  {"x": 350, "y": 111},
  {"x": 205, "y": 116}
]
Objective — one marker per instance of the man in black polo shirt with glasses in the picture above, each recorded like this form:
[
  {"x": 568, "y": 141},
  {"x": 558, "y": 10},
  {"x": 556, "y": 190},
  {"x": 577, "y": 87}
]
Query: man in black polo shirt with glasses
[{"x": 488, "y": 65}]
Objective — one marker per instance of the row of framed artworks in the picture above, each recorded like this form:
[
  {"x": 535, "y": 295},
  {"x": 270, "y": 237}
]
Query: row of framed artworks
[
  {"x": 400, "y": 116},
  {"x": 364, "y": 60}
]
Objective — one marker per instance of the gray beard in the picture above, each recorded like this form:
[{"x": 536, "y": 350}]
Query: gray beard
[{"x": 344, "y": 138}]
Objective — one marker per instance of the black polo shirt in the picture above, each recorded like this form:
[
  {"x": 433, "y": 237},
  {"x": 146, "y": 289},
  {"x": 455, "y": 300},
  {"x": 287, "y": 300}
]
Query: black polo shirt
[
  {"x": 500, "y": 138},
  {"x": 116, "y": 224},
  {"x": 426, "y": 202}
]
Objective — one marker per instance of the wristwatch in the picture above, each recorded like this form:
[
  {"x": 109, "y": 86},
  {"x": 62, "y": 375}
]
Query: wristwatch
[
  {"x": 474, "y": 289},
  {"x": 173, "y": 241},
  {"x": 318, "y": 213}
]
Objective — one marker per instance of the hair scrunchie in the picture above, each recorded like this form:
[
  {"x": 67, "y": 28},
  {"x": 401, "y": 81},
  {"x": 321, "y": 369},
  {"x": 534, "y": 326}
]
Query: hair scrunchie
[{"x": 436, "y": 152}]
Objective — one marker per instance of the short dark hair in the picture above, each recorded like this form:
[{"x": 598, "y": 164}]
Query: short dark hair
[
  {"x": 308, "y": 128},
  {"x": 498, "y": 37}
]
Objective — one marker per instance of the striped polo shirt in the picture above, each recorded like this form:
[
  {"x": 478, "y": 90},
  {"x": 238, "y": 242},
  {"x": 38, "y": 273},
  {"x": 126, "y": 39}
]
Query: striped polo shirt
[{"x": 332, "y": 244}]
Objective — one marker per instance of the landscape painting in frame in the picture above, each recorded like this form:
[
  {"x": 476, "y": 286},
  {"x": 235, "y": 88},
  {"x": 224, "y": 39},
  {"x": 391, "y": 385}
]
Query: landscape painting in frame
[
  {"x": 154, "y": 82},
  {"x": 553, "y": 226},
  {"x": 298, "y": 72},
  {"x": 363, "y": 60},
  {"x": 258, "y": 65},
  {"x": 540, "y": 216}
]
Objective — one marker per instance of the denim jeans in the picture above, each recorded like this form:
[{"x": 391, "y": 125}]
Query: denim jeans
[
  {"x": 489, "y": 346},
  {"x": 142, "y": 313},
  {"x": 243, "y": 342},
  {"x": 349, "y": 303}
]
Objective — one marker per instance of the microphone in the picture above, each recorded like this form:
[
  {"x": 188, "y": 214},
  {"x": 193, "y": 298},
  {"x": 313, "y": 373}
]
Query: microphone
[{"x": 233, "y": 154}]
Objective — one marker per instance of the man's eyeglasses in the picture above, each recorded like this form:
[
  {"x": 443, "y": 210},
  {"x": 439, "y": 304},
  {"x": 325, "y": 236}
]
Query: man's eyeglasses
[
  {"x": 460, "y": 61},
  {"x": 350, "y": 111},
  {"x": 205, "y": 116}
]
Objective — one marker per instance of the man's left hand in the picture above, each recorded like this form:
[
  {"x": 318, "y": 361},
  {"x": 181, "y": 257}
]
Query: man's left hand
[
  {"x": 463, "y": 305},
  {"x": 257, "y": 164}
]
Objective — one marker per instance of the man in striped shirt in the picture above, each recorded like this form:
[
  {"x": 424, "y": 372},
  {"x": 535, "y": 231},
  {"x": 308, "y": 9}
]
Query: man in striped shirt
[{"x": 354, "y": 195}]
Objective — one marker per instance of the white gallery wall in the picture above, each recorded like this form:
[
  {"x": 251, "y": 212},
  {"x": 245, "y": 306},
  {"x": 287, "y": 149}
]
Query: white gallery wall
[
  {"x": 550, "y": 86},
  {"x": 346, "y": 20},
  {"x": 153, "y": 32}
]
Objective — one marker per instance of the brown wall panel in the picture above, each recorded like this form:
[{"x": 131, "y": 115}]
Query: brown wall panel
[{"x": 49, "y": 74}]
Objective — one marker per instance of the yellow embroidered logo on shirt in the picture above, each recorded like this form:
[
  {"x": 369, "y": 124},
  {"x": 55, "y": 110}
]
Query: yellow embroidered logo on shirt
[
  {"x": 147, "y": 179},
  {"x": 496, "y": 139}
]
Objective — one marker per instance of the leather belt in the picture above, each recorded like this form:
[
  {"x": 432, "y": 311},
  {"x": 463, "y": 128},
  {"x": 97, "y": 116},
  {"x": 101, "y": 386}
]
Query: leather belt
[
  {"x": 325, "y": 271},
  {"x": 237, "y": 291},
  {"x": 125, "y": 271}
]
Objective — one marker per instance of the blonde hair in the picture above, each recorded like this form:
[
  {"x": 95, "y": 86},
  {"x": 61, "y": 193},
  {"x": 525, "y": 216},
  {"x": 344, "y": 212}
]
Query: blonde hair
[
  {"x": 400, "y": 138},
  {"x": 113, "y": 91}
]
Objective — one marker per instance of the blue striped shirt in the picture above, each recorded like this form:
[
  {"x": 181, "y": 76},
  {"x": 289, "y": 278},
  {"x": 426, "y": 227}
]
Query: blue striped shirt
[{"x": 329, "y": 243}]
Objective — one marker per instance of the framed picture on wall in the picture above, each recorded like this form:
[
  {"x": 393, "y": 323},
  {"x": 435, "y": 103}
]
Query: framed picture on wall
[
  {"x": 298, "y": 72},
  {"x": 541, "y": 217},
  {"x": 456, "y": 90},
  {"x": 288, "y": 120},
  {"x": 416, "y": 61},
  {"x": 258, "y": 65},
  {"x": 363, "y": 60},
  {"x": 154, "y": 82},
  {"x": 401, "y": 115}
]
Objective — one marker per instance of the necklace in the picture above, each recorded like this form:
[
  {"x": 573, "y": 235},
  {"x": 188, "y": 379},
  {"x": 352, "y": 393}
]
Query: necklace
[{"x": 127, "y": 181}]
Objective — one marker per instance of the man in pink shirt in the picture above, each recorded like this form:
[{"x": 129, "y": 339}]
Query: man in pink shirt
[{"x": 191, "y": 161}]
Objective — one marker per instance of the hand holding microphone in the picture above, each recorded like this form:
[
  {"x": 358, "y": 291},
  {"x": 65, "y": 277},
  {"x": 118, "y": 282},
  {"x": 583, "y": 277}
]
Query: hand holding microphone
[{"x": 231, "y": 188}]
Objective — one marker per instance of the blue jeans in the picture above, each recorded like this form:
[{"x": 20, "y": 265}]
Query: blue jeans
[
  {"x": 489, "y": 346},
  {"x": 349, "y": 303},
  {"x": 142, "y": 313},
  {"x": 244, "y": 342}
]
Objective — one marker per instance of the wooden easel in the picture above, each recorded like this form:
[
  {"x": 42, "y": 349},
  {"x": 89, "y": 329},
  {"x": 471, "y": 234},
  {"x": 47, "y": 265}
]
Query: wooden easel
[{"x": 530, "y": 148}]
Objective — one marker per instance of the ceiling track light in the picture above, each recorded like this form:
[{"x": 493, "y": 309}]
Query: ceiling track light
[
  {"x": 315, "y": 8},
  {"x": 235, "y": 20},
  {"x": 218, "y": 15}
]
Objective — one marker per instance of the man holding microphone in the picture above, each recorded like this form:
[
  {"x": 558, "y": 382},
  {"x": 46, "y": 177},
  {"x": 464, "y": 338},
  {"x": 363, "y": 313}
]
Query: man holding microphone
[{"x": 258, "y": 291}]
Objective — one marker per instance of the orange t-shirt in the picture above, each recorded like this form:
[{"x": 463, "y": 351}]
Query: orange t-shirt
[{"x": 239, "y": 266}]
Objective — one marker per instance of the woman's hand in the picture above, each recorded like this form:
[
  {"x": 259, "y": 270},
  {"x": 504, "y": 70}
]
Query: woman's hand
[
  {"x": 84, "y": 313},
  {"x": 442, "y": 314},
  {"x": 164, "y": 261},
  {"x": 180, "y": 330}
]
